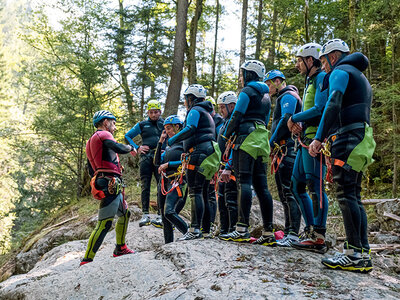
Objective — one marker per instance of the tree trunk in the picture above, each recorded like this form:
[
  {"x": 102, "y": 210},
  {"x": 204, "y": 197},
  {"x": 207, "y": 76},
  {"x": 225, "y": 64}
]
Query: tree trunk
[
  {"x": 394, "y": 117},
  {"x": 120, "y": 52},
  {"x": 306, "y": 21},
  {"x": 174, "y": 88},
  {"x": 144, "y": 77},
  {"x": 242, "y": 56},
  {"x": 214, "y": 57},
  {"x": 271, "y": 54},
  {"x": 193, "y": 36},
  {"x": 352, "y": 22},
  {"x": 259, "y": 29}
]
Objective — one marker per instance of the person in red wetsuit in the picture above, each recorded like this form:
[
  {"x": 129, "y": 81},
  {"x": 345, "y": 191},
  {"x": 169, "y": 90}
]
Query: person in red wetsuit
[{"x": 104, "y": 167}]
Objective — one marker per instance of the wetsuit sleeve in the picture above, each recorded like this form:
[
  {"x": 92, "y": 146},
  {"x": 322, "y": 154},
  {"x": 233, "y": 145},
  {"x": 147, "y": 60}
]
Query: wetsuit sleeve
[
  {"x": 237, "y": 114},
  {"x": 175, "y": 163},
  {"x": 316, "y": 111},
  {"x": 338, "y": 82},
  {"x": 157, "y": 155},
  {"x": 192, "y": 121},
  {"x": 117, "y": 147},
  {"x": 288, "y": 107},
  {"x": 135, "y": 131}
]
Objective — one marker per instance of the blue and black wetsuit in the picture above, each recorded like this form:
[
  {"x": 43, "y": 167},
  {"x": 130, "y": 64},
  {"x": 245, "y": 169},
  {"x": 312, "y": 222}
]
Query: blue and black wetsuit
[
  {"x": 227, "y": 192},
  {"x": 150, "y": 131},
  {"x": 248, "y": 122},
  {"x": 307, "y": 169},
  {"x": 348, "y": 109},
  {"x": 287, "y": 104},
  {"x": 171, "y": 204},
  {"x": 197, "y": 136}
]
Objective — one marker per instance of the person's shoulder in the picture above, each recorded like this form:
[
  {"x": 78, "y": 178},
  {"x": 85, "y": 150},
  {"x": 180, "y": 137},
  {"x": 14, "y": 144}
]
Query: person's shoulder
[{"x": 104, "y": 135}]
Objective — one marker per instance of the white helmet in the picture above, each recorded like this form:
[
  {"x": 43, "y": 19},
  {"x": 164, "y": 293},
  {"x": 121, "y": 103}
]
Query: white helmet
[
  {"x": 197, "y": 90},
  {"x": 334, "y": 45},
  {"x": 255, "y": 66},
  {"x": 227, "y": 97},
  {"x": 310, "y": 49}
]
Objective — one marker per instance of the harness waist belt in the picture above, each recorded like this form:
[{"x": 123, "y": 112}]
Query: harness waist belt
[{"x": 353, "y": 126}]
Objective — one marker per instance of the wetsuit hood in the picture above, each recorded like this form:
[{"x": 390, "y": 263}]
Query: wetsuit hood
[
  {"x": 357, "y": 60},
  {"x": 207, "y": 105},
  {"x": 259, "y": 86},
  {"x": 289, "y": 88}
]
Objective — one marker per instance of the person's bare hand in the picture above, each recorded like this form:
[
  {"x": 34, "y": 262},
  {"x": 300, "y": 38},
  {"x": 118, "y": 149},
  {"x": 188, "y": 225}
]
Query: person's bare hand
[
  {"x": 314, "y": 148},
  {"x": 143, "y": 149},
  {"x": 162, "y": 168},
  {"x": 163, "y": 136},
  {"x": 226, "y": 176}
]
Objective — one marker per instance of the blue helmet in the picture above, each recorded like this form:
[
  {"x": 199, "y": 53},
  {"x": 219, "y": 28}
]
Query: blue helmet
[
  {"x": 274, "y": 74},
  {"x": 101, "y": 115},
  {"x": 173, "y": 119}
]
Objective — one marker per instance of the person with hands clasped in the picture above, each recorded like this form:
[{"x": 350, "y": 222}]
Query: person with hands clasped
[
  {"x": 345, "y": 124},
  {"x": 308, "y": 171},
  {"x": 172, "y": 185}
]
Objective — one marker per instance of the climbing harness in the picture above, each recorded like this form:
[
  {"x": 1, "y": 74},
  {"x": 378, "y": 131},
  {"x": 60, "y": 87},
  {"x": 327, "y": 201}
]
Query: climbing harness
[{"x": 277, "y": 156}]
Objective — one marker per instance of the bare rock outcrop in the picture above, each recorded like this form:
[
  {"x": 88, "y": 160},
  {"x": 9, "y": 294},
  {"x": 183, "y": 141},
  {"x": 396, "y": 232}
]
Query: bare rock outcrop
[{"x": 199, "y": 269}]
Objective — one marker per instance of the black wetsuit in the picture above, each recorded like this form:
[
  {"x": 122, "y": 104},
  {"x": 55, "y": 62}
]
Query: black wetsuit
[
  {"x": 251, "y": 112},
  {"x": 227, "y": 193},
  {"x": 287, "y": 104},
  {"x": 212, "y": 201},
  {"x": 171, "y": 204},
  {"x": 348, "y": 109},
  {"x": 150, "y": 131},
  {"x": 197, "y": 136}
]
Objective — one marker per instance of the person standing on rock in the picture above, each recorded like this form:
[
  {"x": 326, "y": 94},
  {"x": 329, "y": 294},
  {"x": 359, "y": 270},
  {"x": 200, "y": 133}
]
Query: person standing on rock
[
  {"x": 107, "y": 185},
  {"x": 172, "y": 185},
  {"x": 150, "y": 131},
  {"x": 247, "y": 126},
  {"x": 288, "y": 103},
  {"x": 347, "y": 114},
  {"x": 202, "y": 156},
  {"x": 307, "y": 169},
  {"x": 212, "y": 200},
  {"x": 227, "y": 189}
]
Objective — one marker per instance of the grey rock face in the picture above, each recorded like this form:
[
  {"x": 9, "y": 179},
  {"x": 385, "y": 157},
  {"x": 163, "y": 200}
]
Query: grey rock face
[{"x": 199, "y": 269}]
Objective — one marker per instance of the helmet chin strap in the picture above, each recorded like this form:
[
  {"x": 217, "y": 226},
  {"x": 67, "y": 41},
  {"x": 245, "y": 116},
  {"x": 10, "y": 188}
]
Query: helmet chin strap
[
  {"x": 276, "y": 87},
  {"x": 227, "y": 109},
  {"x": 329, "y": 61}
]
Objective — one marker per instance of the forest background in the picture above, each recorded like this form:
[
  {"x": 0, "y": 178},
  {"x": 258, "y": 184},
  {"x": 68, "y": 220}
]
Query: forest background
[{"x": 118, "y": 54}]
